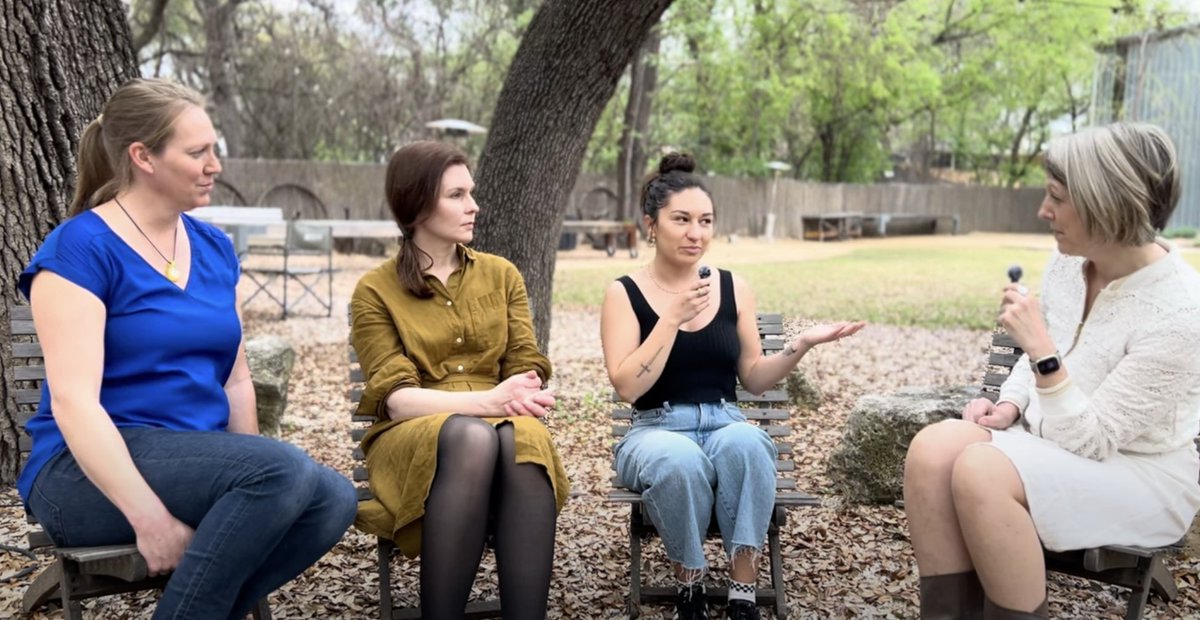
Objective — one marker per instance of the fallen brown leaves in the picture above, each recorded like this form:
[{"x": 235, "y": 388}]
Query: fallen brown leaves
[{"x": 840, "y": 561}]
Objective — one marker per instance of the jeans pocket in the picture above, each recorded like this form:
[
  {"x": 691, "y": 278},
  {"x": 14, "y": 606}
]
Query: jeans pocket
[
  {"x": 735, "y": 413},
  {"x": 49, "y": 516},
  {"x": 648, "y": 417}
]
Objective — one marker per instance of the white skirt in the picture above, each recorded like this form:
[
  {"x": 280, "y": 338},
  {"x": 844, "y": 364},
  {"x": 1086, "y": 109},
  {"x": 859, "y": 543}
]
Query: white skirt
[{"x": 1145, "y": 500}]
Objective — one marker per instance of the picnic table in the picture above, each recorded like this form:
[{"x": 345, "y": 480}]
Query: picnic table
[{"x": 843, "y": 225}]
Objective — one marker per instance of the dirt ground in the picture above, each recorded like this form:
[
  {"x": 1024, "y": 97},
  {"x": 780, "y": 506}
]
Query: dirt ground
[{"x": 840, "y": 561}]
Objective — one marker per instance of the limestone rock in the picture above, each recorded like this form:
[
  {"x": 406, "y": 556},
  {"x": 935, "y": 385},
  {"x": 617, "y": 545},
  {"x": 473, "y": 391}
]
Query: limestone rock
[
  {"x": 868, "y": 467},
  {"x": 271, "y": 359}
]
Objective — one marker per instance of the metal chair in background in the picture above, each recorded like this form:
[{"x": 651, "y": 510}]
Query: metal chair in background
[{"x": 301, "y": 241}]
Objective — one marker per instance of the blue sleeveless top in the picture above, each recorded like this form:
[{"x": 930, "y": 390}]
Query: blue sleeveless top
[
  {"x": 702, "y": 365},
  {"x": 167, "y": 351}
]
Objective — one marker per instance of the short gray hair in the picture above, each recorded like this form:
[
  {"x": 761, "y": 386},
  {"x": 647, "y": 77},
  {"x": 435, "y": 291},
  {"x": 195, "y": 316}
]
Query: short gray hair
[{"x": 1123, "y": 179}]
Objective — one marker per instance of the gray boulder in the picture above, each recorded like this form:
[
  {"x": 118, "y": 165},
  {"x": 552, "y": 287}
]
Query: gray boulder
[
  {"x": 271, "y": 359},
  {"x": 868, "y": 467}
]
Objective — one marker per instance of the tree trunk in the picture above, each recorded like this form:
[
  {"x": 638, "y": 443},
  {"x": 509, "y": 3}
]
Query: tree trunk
[
  {"x": 60, "y": 60},
  {"x": 559, "y": 82},
  {"x": 220, "y": 40},
  {"x": 631, "y": 159}
]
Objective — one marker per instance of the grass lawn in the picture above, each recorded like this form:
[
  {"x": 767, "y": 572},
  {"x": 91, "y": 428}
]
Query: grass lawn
[{"x": 926, "y": 282}]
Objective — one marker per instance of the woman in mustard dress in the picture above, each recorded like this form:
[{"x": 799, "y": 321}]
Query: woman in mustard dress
[{"x": 454, "y": 376}]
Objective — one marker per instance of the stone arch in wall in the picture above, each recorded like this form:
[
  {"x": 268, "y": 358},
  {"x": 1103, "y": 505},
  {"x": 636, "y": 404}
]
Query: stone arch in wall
[
  {"x": 227, "y": 195},
  {"x": 296, "y": 201},
  {"x": 598, "y": 203}
]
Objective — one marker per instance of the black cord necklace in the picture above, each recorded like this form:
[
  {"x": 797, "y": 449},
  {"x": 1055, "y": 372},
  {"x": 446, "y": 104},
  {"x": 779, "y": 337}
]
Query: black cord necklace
[{"x": 170, "y": 272}]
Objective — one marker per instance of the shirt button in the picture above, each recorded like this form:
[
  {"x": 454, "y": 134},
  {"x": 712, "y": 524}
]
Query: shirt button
[
  {"x": 449, "y": 303},
  {"x": 460, "y": 368},
  {"x": 458, "y": 340}
]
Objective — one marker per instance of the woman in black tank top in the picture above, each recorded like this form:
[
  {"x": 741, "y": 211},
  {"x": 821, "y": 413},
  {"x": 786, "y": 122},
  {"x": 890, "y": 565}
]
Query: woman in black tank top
[{"x": 676, "y": 346}]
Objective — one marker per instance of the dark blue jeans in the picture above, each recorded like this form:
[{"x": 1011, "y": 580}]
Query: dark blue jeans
[{"x": 262, "y": 511}]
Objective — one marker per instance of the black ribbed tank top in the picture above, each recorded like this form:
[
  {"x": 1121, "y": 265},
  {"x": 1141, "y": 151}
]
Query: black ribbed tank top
[{"x": 702, "y": 366}]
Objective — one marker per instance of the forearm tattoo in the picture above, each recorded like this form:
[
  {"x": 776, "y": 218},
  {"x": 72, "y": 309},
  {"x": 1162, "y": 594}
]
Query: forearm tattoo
[{"x": 646, "y": 366}]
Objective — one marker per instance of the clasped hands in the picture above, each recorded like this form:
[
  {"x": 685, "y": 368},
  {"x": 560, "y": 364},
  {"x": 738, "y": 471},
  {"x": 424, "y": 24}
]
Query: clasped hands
[{"x": 523, "y": 395}]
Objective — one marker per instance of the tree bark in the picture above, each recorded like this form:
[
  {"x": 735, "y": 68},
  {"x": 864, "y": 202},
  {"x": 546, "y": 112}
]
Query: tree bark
[
  {"x": 631, "y": 159},
  {"x": 149, "y": 29},
  {"x": 220, "y": 40},
  {"x": 559, "y": 82},
  {"x": 59, "y": 62}
]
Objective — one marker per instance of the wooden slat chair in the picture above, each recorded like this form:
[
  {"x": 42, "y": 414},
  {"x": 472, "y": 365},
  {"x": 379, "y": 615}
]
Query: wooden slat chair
[
  {"x": 385, "y": 548},
  {"x": 768, "y": 410},
  {"x": 77, "y": 572},
  {"x": 1137, "y": 568}
]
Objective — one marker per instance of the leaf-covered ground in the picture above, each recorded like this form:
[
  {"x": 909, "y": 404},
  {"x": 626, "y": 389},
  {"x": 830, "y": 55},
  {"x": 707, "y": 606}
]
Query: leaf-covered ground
[{"x": 840, "y": 561}]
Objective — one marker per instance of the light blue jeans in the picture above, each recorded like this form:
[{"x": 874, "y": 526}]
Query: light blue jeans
[{"x": 691, "y": 460}]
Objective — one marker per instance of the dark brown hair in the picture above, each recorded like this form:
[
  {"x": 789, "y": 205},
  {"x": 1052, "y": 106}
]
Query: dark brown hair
[
  {"x": 674, "y": 175},
  {"x": 414, "y": 180},
  {"x": 141, "y": 110}
]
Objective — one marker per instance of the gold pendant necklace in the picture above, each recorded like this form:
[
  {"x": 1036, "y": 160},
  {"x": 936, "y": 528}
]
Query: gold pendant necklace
[{"x": 171, "y": 272}]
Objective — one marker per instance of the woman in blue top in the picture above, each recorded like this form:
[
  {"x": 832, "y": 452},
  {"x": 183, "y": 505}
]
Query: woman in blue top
[
  {"x": 676, "y": 346},
  {"x": 147, "y": 430}
]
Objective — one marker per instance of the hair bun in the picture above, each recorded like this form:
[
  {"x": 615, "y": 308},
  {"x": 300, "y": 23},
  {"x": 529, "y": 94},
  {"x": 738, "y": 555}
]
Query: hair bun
[{"x": 676, "y": 161}]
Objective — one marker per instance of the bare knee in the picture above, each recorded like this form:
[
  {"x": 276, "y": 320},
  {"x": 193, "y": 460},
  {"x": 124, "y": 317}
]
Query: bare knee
[
  {"x": 936, "y": 447},
  {"x": 982, "y": 474}
]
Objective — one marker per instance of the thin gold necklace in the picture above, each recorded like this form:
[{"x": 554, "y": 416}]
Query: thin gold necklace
[
  {"x": 170, "y": 272},
  {"x": 659, "y": 284}
]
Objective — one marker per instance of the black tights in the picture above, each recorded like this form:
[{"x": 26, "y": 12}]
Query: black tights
[{"x": 476, "y": 463}]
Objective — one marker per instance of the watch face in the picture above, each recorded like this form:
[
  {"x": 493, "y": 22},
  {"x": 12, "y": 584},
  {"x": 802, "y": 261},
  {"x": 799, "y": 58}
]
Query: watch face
[{"x": 1048, "y": 365}]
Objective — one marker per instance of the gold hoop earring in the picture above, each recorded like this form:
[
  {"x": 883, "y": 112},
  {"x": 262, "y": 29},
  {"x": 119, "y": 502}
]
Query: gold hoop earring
[{"x": 650, "y": 240}]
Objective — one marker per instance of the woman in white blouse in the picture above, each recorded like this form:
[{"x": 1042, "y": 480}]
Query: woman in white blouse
[{"x": 1093, "y": 431}]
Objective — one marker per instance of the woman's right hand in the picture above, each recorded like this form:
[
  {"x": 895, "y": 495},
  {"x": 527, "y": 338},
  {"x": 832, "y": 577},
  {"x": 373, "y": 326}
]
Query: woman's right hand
[
  {"x": 162, "y": 543},
  {"x": 690, "y": 303},
  {"x": 990, "y": 415}
]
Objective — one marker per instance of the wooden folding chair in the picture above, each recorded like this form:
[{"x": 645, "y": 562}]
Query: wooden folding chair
[
  {"x": 77, "y": 572},
  {"x": 767, "y": 410}
]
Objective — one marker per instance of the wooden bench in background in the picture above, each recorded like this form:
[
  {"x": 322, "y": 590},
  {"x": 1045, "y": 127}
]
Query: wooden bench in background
[
  {"x": 824, "y": 226},
  {"x": 77, "y": 572},
  {"x": 770, "y": 411},
  {"x": 885, "y": 224},
  {"x": 1137, "y": 568}
]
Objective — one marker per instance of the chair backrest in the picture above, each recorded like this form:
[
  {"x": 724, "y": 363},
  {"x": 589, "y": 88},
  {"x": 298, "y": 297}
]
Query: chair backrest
[
  {"x": 361, "y": 423},
  {"x": 1003, "y": 354},
  {"x": 28, "y": 376},
  {"x": 309, "y": 239},
  {"x": 769, "y": 410},
  {"x": 28, "y": 373}
]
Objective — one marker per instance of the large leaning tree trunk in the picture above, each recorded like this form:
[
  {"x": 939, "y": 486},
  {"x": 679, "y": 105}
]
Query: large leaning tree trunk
[
  {"x": 59, "y": 62},
  {"x": 559, "y": 82}
]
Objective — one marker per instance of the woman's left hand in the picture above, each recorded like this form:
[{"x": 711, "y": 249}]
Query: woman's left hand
[
  {"x": 536, "y": 404},
  {"x": 821, "y": 334},
  {"x": 1021, "y": 317}
]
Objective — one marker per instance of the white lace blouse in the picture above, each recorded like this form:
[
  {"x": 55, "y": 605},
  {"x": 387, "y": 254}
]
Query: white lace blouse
[{"x": 1134, "y": 364}]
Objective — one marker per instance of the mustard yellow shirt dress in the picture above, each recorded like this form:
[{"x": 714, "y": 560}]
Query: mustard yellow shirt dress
[{"x": 474, "y": 332}]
